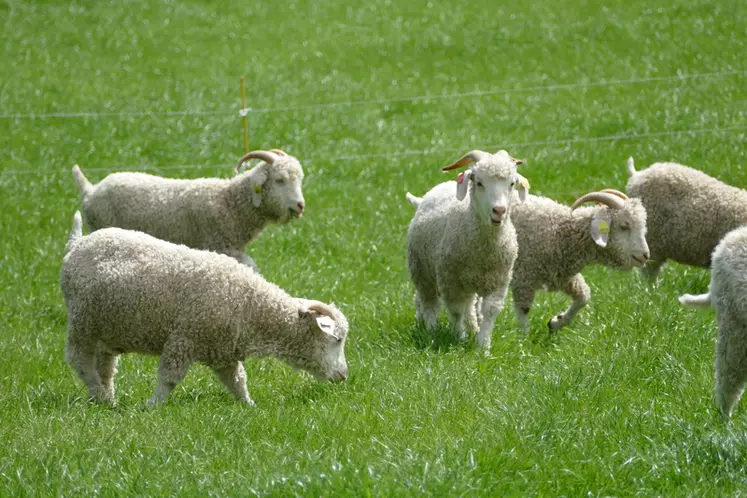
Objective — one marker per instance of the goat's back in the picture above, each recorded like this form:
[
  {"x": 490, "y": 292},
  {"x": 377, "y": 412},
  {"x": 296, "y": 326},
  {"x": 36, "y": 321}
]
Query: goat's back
[
  {"x": 176, "y": 210},
  {"x": 132, "y": 291},
  {"x": 688, "y": 212},
  {"x": 728, "y": 287}
]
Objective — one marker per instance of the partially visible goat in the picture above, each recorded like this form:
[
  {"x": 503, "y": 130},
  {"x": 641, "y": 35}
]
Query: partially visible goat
[
  {"x": 688, "y": 213},
  {"x": 728, "y": 297}
]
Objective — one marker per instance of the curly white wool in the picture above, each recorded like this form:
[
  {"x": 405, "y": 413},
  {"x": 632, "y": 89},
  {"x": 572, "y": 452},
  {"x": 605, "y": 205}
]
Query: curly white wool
[
  {"x": 208, "y": 213},
  {"x": 129, "y": 292},
  {"x": 458, "y": 249},
  {"x": 688, "y": 212},
  {"x": 727, "y": 297},
  {"x": 557, "y": 242}
]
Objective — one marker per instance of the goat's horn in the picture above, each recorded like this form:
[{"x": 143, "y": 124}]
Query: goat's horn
[
  {"x": 516, "y": 161},
  {"x": 318, "y": 306},
  {"x": 606, "y": 198},
  {"x": 617, "y": 193},
  {"x": 469, "y": 158},
  {"x": 264, "y": 155},
  {"x": 279, "y": 152}
]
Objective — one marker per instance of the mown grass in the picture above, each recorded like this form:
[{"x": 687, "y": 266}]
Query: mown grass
[{"x": 616, "y": 404}]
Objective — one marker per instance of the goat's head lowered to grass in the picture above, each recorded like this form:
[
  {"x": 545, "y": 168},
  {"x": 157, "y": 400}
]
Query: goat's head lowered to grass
[
  {"x": 490, "y": 181},
  {"x": 323, "y": 354}
]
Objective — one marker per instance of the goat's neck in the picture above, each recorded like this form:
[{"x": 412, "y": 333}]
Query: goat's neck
[
  {"x": 269, "y": 331},
  {"x": 249, "y": 218}
]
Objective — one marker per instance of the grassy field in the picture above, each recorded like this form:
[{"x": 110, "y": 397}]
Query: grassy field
[{"x": 373, "y": 99}]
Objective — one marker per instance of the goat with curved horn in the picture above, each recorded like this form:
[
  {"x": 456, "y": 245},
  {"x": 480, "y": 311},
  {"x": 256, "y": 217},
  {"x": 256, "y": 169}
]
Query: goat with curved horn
[
  {"x": 557, "y": 243},
  {"x": 308, "y": 305},
  {"x": 264, "y": 155},
  {"x": 469, "y": 158},
  {"x": 616, "y": 192},
  {"x": 605, "y": 198},
  {"x": 221, "y": 215}
]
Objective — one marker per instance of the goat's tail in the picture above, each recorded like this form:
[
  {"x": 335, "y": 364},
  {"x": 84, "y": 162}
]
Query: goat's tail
[
  {"x": 631, "y": 166},
  {"x": 81, "y": 181},
  {"x": 699, "y": 301},
  {"x": 415, "y": 201},
  {"x": 76, "y": 233}
]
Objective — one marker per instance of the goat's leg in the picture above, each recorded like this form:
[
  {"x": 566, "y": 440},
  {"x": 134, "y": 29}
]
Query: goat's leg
[
  {"x": 175, "y": 361},
  {"x": 523, "y": 298},
  {"x": 731, "y": 362},
  {"x": 427, "y": 308},
  {"x": 492, "y": 304},
  {"x": 579, "y": 291},
  {"x": 234, "y": 378},
  {"x": 458, "y": 310}
]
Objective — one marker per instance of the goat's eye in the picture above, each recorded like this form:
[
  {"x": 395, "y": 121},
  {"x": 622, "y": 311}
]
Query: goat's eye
[
  {"x": 512, "y": 184},
  {"x": 280, "y": 181},
  {"x": 625, "y": 227},
  {"x": 479, "y": 183}
]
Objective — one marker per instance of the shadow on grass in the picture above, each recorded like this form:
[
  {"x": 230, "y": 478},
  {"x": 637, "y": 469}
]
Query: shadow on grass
[
  {"x": 440, "y": 339},
  {"x": 312, "y": 392},
  {"x": 543, "y": 338}
]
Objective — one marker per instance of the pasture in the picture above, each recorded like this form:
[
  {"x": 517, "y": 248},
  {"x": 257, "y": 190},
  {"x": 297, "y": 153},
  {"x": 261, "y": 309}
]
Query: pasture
[{"x": 373, "y": 99}]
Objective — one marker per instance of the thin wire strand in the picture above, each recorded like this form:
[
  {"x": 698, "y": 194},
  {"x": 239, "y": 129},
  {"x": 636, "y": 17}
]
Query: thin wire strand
[
  {"x": 416, "y": 98},
  {"x": 541, "y": 142},
  {"x": 438, "y": 150}
]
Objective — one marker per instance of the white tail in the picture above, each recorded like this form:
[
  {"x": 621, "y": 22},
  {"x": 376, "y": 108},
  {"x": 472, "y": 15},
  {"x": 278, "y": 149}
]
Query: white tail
[
  {"x": 76, "y": 233},
  {"x": 699, "y": 301},
  {"x": 631, "y": 166},
  {"x": 84, "y": 185},
  {"x": 415, "y": 201}
]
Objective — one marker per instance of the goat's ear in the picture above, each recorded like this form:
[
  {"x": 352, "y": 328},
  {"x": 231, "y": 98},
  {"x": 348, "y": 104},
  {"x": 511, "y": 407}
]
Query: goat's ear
[
  {"x": 522, "y": 187},
  {"x": 320, "y": 313},
  {"x": 258, "y": 177},
  {"x": 326, "y": 325},
  {"x": 462, "y": 184},
  {"x": 600, "y": 228}
]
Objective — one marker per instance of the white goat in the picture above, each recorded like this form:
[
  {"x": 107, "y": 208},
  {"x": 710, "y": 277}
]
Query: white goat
[
  {"x": 129, "y": 292},
  {"x": 688, "y": 213},
  {"x": 457, "y": 250},
  {"x": 208, "y": 213},
  {"x": 728, "y": 296},
  {"x": 557, "y": 242}
]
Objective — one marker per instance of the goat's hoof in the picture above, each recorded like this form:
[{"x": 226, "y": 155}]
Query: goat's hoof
[
  {"x": 555, "y": 324},
  {"x": 153, "y": 402}
]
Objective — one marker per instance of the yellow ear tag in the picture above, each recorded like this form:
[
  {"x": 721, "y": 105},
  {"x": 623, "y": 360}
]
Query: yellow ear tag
[
  {"x": 257, "y": 188},
  {"x": 604, "y": 227},
  {"x": 524, "y": 183}
]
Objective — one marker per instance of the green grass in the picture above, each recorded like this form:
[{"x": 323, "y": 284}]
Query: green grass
[{"x": 619, "y": 403}]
